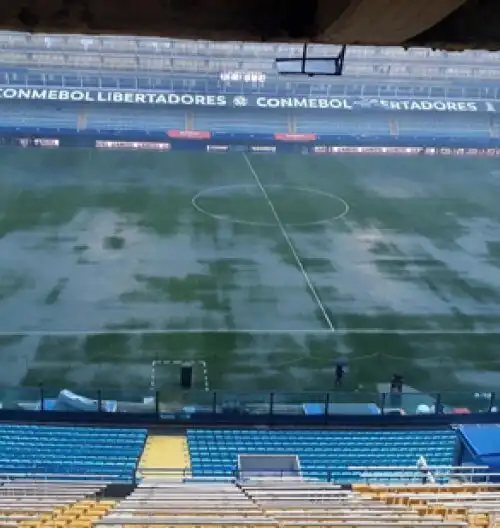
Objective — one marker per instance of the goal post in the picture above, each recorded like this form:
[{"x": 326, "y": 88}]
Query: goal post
[{"x": 200, "y": 367}]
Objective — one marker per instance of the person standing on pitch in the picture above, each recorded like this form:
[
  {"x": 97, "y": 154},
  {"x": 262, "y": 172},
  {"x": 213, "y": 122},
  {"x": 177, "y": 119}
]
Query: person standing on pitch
[
  {"x": 340, "y": 365},
  {"x": 339, "y": 374}
]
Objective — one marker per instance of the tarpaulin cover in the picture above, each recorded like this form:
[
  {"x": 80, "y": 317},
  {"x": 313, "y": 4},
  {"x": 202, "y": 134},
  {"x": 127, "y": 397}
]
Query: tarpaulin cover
[{"x": 483, "y": 440}]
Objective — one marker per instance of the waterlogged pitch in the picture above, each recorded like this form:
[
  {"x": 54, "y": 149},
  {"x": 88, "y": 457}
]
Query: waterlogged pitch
[{"x": 262, "y": 270}]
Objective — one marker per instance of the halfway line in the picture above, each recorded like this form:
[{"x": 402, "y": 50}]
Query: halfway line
[{"x": 294, "y": 253}]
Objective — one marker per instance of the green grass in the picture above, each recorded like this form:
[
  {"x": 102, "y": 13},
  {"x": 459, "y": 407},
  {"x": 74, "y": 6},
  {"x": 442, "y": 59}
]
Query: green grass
[{"x": 104, "y": 253}]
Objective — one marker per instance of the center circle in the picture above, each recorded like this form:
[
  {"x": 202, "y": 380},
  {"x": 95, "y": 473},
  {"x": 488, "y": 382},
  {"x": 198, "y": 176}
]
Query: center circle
[{"x": 247, "y": 204}]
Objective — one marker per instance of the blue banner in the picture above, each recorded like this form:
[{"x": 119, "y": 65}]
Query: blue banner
[{"x": 243, "y": 101}]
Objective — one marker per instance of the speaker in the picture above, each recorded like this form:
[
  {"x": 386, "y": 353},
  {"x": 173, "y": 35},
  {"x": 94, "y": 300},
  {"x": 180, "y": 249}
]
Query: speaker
[{"x": 186, "y": 376}]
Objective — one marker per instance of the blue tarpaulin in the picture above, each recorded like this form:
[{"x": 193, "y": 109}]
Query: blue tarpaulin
[
  {"x": 315, "y": 409},
  {"x": 480, "y": 445},
  {"x": 483, "y": 440}
]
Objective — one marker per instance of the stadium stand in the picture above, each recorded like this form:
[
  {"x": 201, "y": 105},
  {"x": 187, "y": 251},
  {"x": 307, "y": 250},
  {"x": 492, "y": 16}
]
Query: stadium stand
[
  {"x": 39, "y": 116},
  {"x": 474, "y": 504},
  {"x": 159, "y": 502},
  {"x": 261, "y": 502},
  {"x": 242, "y": 121},
  {"x": 451, "y": 124},
  {"x": 308, "y": 504},
  {"x": 115, "y": 53},
  {"x": 322, "y": 454},
  {"x": 292, "y": 503},
  {"x": 133, "y": 118},
  {"x": 495, "y": 126},
  {"x": 70, "y": 452},
  {"x": 151, "y": 119},
  {"x": 344, "y": 123},
  {"x": 88, "y": 73},
  {"x": 50, "y": 504}
]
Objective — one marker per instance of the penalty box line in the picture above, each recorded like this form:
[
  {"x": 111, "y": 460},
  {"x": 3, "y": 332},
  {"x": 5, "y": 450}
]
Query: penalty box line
[{"x": 289, "y": 242}]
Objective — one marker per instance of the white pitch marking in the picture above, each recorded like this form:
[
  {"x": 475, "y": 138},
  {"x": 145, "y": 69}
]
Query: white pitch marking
[
  {"x": 294, "y": 253},
  {"x": 223, "y": 218},
  {"x": 250, "y": 331}
]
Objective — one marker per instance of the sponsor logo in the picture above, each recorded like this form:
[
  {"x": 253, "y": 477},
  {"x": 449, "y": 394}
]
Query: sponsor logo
[
  {"x": 304, "y": 102},
  {"x": 240, "y": 101},
  {"x": 217, "y": 148},
  {"x": 263, "y": 148},
  {"x": 134, "y": 145},
  {"x": 113, "y": 96}
]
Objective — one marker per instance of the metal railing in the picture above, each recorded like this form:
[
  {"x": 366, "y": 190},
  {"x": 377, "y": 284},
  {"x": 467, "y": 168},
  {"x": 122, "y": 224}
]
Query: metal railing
[
  {"x": 439, "y": 473},
  {"x": 176, "y": 404},
  {"x": 194, "y": 84},
  {"x": 366, "y": 474},
  {"x": 53, "y": 478}
]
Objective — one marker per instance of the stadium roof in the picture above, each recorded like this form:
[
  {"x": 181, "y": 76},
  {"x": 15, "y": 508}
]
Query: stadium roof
[{"x": 450, "y": 24}]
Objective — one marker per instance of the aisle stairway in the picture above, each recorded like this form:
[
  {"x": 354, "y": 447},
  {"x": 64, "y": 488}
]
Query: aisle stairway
[
  {"x": 81, "y": 122},
  {"x": 394, "y": 127},
  {"x": 165, "y": 452}
]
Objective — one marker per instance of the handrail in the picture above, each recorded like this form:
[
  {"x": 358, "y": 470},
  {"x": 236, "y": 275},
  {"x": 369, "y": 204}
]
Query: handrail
[
  {"x": 398, "y": 468},
  {"x": 333, "y": 467},
  {"x": 62, "y": 478},
  {"x": 366, "y": 473}
]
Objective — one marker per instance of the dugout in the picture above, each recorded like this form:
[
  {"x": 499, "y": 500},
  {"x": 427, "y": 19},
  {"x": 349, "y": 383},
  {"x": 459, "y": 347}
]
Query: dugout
[{"x": 479, "y": 444}]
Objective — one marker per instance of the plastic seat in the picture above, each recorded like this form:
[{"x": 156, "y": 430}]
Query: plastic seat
[
  {"x": 320, "y": 450},
  {"x": 70, "y": 450}
]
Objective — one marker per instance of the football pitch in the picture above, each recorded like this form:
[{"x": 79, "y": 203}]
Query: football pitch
[{"x": 262, "y": 270}]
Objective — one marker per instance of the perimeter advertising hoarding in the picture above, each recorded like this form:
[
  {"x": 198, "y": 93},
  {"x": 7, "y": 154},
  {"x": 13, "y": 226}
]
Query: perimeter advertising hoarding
[
  {"x": 8, "y": 93},
  {"x": 426, "y": 151},
  {"x": 132, "y": 145},
  {"x": 217, "y": 148},
  {"x": 295, "y": 137},
  {"x": 189, "y": 134},
  {"x": 37, "y": 142},
  {"x": 322, "y": 149},
  {"x": 263, "y": 149}
]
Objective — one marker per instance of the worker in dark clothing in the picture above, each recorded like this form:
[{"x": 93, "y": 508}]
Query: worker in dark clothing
[{"x": 339, "y": 374}]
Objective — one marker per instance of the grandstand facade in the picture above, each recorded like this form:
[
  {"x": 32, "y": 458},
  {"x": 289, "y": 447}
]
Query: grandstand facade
[
  {"x": 369, "y": 481},
  {"x": 229, "y": 91}
]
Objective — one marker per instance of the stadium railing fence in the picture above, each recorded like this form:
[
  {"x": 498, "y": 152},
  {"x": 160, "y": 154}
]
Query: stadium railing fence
[{"x": 174, "y": 403}]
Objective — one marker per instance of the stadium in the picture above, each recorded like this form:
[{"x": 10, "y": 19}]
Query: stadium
[{"x": 233, "y": 298}]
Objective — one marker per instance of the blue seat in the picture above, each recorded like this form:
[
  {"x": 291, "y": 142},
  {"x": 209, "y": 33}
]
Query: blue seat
[
  {"x": 323, "y": 454},
  {"x": 80, "y": 451}
]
